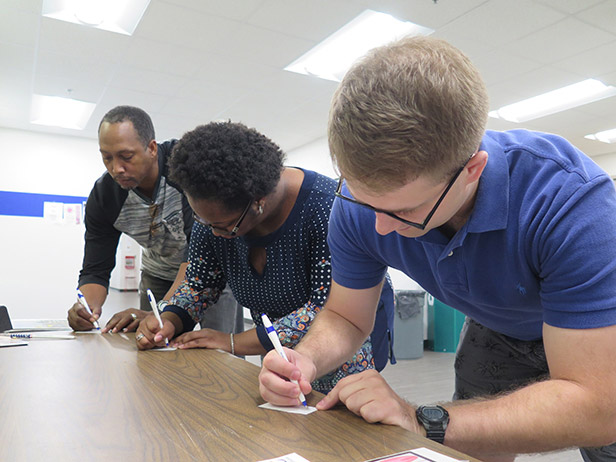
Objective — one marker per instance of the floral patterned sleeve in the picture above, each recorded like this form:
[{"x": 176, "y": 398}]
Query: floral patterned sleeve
[{"x": 203, "y": 283}]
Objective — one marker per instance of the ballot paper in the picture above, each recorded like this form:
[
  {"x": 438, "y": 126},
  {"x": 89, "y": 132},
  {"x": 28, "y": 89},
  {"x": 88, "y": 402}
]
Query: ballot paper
[
  {"x": 416, "y": 455},
  {"x": 299, "y": 409},
  {"x": 293, "y": 457}
]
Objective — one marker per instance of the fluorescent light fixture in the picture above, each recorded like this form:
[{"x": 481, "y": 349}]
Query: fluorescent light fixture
[
  {"x": 60, "y": 112},
  {"x": 564, "y": 98},
  {"x": 120, "y": 16},
  {"x": 331, "y": 58},
  {"x": 606, "y": 136}
]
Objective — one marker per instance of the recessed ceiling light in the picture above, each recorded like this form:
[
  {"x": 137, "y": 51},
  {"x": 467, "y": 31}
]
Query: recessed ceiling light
[
  {"x": 118, "y": 16},
  {"x": 564, "y": 98},
  {"x": 606, "y": 136},
  {"x": 331, "y": 58},
  {"x": 60, "y": 112}
]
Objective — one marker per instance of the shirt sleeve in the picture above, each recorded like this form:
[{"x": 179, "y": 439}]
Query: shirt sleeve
[
  {"x": 101, "y": 242},
  {"x": 204, "y": 281},
  {"x": 353, "y": 266},
  {"x": 575, "y": 256}
]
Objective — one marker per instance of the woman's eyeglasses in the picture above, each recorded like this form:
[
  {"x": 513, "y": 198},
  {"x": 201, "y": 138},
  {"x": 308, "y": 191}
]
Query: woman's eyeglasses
[{"x": 223, "y": 231}]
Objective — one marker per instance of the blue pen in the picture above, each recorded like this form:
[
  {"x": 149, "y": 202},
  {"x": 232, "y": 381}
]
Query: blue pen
[
  {"x": 155, "y": 310},
  {"x": 273, "y": 336},
  {"x": 82, "y": 300}
]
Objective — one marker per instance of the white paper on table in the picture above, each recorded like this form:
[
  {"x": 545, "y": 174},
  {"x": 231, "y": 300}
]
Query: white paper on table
[
  {"x": 433, "y": 455},
  {"x": 33, "y": 325},
  {"x": 96, "y": 331},
  {"x": 299, "y": 409},
  {"x": 293, "y": 457},
  {"x": 163, "y": 349},
  {"x": 9, "y": 342}
]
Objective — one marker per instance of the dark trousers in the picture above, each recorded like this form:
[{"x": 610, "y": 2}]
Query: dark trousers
[{"x": 488, "y": 363}]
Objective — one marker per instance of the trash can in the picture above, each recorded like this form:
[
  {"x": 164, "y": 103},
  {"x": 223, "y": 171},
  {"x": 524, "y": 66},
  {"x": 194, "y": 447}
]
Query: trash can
[
  {"x": 444, "y": 326},
  {"x": 408, "y": 324}
]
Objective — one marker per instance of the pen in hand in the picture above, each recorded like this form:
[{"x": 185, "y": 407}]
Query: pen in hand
[
  {"x": 156, "y": 313},
  {"x": 273, "y": 336},
  {"x": 82, "y": 301}
]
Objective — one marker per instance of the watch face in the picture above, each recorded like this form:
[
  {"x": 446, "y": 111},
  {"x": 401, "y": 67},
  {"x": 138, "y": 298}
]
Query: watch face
[{"x": 433, "y": 413}]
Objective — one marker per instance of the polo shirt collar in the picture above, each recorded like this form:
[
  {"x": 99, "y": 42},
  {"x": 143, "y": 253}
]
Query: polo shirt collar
[{"x": 492, "y": 202}]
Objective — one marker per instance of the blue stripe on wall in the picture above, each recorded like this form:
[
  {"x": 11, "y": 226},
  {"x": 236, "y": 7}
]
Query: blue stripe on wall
[{"x": 31, "y": 205}]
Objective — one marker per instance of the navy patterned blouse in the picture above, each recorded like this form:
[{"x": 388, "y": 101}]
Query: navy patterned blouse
[{"x": 297, "y": 269}]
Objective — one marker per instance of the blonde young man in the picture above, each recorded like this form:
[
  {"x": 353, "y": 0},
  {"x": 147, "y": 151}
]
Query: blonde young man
[{"x": 515, "y": 229}]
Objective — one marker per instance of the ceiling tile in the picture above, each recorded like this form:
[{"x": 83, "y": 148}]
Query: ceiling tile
[
  {"x": 77, "y": 69},
  {"x": 314, "y": 20},
  {"x": 18, "y": 27},
  {"x": 176, "y": 25},
  {"x": 157, "y": 56},
  {"x": 498, "y": 66},
  {"x": 159, "y": 83},
  {"x": 535, "y": 82},
  {"x": 238, "y": 10},
  {"x": 81, "y": 42},
  {"x": 523, "y": 18},
  {"x": 601, "y": 15},
  {"x": 201, "y": 109},
  {"x": 423, "y": 12},
  {"x": 569, "y": 6},
  {"x": 593, "y": 63},
  {"x": 69, "y": 87},
  {"x": 30, "y": 6},
  {"x": 16, "y": 58},
  {"x": 559, "y": 41},
  {"x": 226, "y": 70}
]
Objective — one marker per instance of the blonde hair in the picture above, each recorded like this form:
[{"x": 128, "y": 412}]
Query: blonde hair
[{"x": 415, "y": 107}]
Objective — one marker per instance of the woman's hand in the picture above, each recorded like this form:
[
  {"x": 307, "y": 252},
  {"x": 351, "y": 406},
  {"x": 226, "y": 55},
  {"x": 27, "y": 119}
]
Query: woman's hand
[{"x": 204, "y": 338}]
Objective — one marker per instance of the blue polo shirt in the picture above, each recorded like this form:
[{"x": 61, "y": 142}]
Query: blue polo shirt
[{"x": 539, "y": 246}]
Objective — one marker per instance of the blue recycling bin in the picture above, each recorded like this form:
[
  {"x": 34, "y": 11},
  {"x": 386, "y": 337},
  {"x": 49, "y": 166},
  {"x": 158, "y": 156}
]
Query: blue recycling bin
[{"x": 444, "y": 326}]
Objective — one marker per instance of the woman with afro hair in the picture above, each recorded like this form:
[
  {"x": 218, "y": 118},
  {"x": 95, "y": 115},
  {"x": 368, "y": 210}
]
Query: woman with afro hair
[{"x": 262, "y": 228}]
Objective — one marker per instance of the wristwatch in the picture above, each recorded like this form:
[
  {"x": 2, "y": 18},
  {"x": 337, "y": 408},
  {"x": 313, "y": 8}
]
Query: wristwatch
[
  {"x": 162, "y": 304},
  {"x": 435, "y": 420}
]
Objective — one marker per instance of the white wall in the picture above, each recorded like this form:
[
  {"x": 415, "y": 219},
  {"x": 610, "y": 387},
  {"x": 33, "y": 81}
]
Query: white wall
[
  {"x": 40, "y": 261},
  {"x": 607, "y": 162},
  {"x": 315, "y": 156}
]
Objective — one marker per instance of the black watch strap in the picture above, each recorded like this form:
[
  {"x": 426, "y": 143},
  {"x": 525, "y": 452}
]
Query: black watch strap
[{"x": 435, "y": 420}]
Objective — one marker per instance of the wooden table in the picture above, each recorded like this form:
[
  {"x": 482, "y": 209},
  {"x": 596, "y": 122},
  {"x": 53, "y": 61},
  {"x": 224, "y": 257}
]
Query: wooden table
[{"x": 98, "y": 398}]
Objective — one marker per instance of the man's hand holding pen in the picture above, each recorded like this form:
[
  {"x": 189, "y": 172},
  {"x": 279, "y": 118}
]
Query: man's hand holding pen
[{"x": 274, "y": 379}]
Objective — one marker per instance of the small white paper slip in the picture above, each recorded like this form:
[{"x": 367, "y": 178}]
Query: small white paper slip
[
  {"x": 305, "y": 410},
  {"x": 164, "y": 349},
  {"x": 293, "y": 457},
  {"x": 95, "y": 331},
  {"x": 9, "y": 342}
]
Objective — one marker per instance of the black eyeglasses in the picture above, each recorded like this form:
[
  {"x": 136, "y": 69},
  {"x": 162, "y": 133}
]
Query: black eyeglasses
[
  {"x": 222, "y": 231},
  {"x": 421, "y": 226}
]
